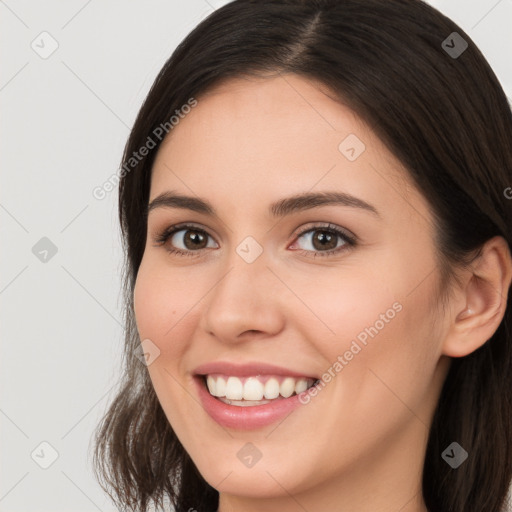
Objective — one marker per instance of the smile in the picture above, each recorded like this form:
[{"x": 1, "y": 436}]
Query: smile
[
  {"x": 255, "y": 390},
  {"x": 251, "y": 395}
]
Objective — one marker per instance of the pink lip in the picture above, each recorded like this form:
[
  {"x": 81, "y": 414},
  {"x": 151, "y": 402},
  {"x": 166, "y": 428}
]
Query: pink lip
[
  {"x": 247, "y": 369},
  {"x": 245, "y": 418}
]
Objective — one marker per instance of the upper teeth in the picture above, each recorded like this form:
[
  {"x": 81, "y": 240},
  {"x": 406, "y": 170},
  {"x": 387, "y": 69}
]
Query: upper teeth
[{"x": 255, "y": 388}]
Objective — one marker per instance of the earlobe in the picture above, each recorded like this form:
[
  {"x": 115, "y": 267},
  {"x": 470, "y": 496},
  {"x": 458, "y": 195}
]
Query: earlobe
[{"x": 485, "y": 300}]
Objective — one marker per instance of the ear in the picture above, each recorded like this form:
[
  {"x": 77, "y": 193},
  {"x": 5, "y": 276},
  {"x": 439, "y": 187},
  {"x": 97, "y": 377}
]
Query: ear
[{"x": 482, "y": 303}]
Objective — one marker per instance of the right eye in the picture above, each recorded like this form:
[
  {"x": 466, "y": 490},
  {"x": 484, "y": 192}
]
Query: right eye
[{"x": 193, "y": 240}]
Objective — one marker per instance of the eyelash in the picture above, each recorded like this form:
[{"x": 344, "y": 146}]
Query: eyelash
[{"x": 350, "y": 240}]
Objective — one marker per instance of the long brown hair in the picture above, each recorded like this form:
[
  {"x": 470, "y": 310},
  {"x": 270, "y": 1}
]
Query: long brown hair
[{"x": 443, "y": 115}]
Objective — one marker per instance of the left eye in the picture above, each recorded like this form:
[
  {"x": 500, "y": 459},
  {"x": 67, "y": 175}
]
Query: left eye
[{"x": 324, "y": 240}]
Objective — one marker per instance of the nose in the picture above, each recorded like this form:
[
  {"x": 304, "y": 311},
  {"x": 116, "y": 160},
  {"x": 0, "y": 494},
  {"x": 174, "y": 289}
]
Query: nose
[{"x": 245, "y": 302}]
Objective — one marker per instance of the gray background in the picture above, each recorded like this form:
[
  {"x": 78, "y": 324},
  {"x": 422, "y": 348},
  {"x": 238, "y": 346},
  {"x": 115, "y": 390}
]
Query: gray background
[{"x": 64, "y": 122}]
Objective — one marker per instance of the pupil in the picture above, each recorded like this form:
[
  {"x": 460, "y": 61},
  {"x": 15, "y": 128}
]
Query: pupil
[
  {"x": 196, "y": 237},
  {"x": 324, "y": 237}
]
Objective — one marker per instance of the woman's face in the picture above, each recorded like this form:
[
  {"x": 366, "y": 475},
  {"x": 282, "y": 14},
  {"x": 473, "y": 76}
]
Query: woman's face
[{"x": 277, "y": 286}]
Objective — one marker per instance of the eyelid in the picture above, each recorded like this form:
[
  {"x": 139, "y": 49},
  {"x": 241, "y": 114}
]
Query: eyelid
[
  {"x": 173, "y": 228},
  {"x": 328, "y": 226}
]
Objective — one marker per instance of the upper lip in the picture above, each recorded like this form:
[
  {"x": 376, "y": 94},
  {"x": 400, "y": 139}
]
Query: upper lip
[{"x": 247, "y": 369}]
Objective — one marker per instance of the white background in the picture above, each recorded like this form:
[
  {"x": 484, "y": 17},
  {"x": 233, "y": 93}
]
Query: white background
[{"x": 64, "y": 123}]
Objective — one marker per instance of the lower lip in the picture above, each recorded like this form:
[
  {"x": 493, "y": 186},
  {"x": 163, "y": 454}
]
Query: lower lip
[{"x": 245, "y": 418}]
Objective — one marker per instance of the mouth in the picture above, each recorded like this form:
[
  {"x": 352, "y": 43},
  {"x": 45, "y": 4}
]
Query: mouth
[
  {"x": 255, "y": 390},
  {"x": 253, "y": 394}
]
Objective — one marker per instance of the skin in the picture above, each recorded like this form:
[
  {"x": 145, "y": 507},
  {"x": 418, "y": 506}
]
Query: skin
[{"x": 360, "y": 443}]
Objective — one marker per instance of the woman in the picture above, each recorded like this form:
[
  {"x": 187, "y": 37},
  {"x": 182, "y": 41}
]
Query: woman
[{"x": 315, "y": 204}]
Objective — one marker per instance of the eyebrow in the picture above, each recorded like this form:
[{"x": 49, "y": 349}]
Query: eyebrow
[{"x": 280, "y": 208}]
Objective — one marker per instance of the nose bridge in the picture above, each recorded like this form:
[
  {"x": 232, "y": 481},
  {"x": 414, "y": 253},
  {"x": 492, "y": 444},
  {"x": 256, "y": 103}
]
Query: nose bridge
[
  {"x": 245, "y": 276},
  {"x": 240, "y": 300}
]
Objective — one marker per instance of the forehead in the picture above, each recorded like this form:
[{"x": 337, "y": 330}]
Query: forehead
[
  {"x": 252, "y": 135},
  {"x": 258, "y": 108}
]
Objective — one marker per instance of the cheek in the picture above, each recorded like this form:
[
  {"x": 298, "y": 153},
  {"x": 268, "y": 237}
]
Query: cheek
[
  {"x": 376, "y": 328},
  {"x": 354, "y": 306},
  {"x": 163, "y": 313},
  {"x": 148, "y": 301},
  {"x": 159, "y": 304},
  {"x": 395, "y": 368}
]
